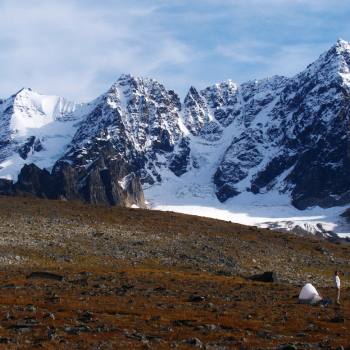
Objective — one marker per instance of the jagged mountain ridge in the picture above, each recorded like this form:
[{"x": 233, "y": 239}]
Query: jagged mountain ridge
[
  {"x": 36, "y": 130},
  {"x": 283, "y": 134}
]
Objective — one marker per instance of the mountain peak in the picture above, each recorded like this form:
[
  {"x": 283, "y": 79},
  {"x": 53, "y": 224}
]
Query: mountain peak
[
  {"x": 129, "y": 78},
  {"x": 229, "y": 83},
  {"x": 24, "y": 90},
  {"x": 342, "y": 52},
  {"x": 338, "y": 50},
  {"x": 136, "y": 83},
  {"x": 332, "y": 63},
  {"x": 343, "y": 44},
  {"x": 125, "y": 77}
]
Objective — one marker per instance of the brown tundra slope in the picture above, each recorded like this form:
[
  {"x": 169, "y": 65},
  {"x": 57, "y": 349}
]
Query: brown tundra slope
[{"x": 139, "y": 279}]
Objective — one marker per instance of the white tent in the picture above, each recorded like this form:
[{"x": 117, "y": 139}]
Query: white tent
[{"x": 309, "y": 294}]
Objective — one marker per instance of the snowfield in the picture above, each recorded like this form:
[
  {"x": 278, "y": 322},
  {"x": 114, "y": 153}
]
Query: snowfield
[
  {"x": 271, "y": 210},
  {"x": 193, "y": 194}
]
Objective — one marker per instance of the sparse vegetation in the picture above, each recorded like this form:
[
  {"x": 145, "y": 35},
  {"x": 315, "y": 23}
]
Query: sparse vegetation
[{"x": 136, "y": 279}]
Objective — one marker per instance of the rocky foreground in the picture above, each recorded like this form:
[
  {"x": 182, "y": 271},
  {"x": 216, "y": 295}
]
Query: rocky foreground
[{"x": 118, "y": 278}]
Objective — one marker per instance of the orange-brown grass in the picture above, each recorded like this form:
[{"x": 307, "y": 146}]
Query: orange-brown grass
[{"x": 235, "y": 312}]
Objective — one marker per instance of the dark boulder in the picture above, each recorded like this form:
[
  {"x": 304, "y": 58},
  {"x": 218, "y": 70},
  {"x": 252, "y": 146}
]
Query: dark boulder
[
  {"x": 268, "y": 276},
  {"x": 196, "y": 298},
  {"x": 338, "y": 319},
  {"x": 45, "y": 275}
]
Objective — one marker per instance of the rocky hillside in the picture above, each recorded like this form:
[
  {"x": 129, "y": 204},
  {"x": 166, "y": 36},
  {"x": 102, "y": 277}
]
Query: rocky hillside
[
  {"x": 79, "y": 276},
  {"x": 283, "y": 135}
]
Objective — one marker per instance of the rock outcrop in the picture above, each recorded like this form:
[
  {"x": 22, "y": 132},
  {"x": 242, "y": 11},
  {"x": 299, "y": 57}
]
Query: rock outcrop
[{"x": 113, "y": 185}]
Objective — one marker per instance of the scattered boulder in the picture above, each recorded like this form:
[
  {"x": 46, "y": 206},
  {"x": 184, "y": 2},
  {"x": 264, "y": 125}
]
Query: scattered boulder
[
  {"x": 196, "y": 298},
  {"x": 194, "y": 342},
  {"x": 45, "y": 275},
  {"x": 77, "y": 330},
  {"x": 30, "y": 308},
  {"x": 86, "y": 317},
  {"x": 4, "y": 340},
  {"x": 338, "y": 319},
  {"x": 181, "y": 323},
  {"x": 269, "y": 276},
  {"x": 288, "y": 347}
]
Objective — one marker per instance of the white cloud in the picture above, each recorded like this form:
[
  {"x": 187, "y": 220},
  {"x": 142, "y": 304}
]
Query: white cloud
[
  {"x": 285, "y": 60},
  {"x": 77, "y": 48},
  {"x": 243, "y": 52},
  {"x": 66, "y": 48},
  {"x": 291, "y": 59}
]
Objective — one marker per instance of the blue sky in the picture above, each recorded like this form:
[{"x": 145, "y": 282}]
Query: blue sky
[{"x": 78, "y": 48}]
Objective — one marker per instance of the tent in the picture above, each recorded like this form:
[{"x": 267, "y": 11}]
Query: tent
[{"x": 309, "y": 295}]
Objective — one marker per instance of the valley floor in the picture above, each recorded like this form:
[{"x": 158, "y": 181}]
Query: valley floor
[{"x": 141, "y": 279}]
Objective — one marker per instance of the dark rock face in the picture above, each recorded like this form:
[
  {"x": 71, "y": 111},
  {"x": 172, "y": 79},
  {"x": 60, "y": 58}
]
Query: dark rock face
[
  {"x": 301, "y": 145},
  {"x": 110, "y": 183},
  {"x": 32, "y": 143},
  {"x": 35, "y": 181},
  {"x": 266, "y": 177},
  {"x": 97, "y": 185},
  {"x": 6, "y": 187},
  {"x": 104, "y": 182},
  {"x": 65, "y": 177},
  {"x": 181, "y": 158},
  {"x": 327, "y": 179}
]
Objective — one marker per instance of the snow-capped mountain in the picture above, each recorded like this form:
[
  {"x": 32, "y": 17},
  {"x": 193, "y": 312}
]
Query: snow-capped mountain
[
  {"x": 34, "y": 128},
  {"x": 139, "y": 120},
  {"x": 277, "y": 139}
]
